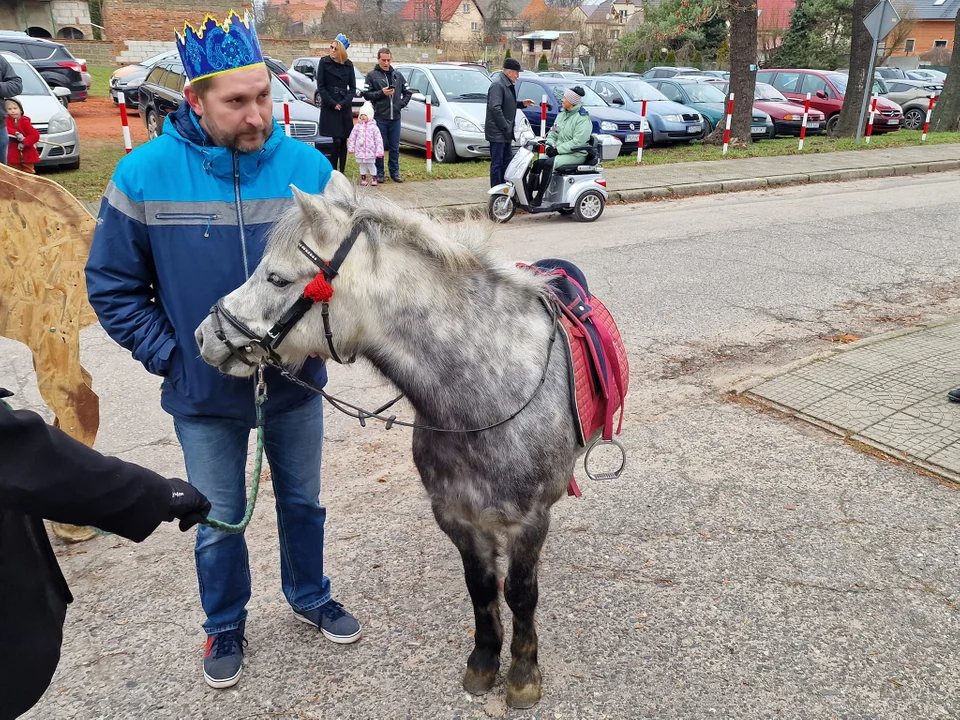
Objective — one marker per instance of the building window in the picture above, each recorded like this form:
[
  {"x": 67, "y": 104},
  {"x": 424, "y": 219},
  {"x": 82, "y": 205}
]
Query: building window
[
  {"x": 466, "y": 8},
  {"x": 939, "y": 43},
  {"x": 530, "y": 45},
  {"x": 474, "y": 27},
  {"x": 614, "y": 34},
  {"x": 909, "y": 46},
  {"x": 547, "y": 44}
]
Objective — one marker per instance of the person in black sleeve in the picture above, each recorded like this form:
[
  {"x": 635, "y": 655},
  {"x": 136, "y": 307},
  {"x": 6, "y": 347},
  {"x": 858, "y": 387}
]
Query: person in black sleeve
[
  {"x": 502, "y": 106},
  {"x": 337, "y": 86},
  {"x": 388, "y": 92},
  {"x": 46, "y": 474}
]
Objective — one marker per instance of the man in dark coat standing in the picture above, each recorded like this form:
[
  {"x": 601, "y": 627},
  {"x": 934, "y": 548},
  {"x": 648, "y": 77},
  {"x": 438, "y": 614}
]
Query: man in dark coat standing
[
  {"x": 387, "y": 90},
  {"x": 10, "y": 85},
  {"x": 502, "y": 106},
  {"x": 44, "y": 473}
]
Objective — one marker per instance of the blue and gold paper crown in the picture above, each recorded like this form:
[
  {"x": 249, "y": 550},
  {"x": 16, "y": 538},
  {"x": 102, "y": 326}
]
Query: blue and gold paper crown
[{"x": 217, "y": 49}]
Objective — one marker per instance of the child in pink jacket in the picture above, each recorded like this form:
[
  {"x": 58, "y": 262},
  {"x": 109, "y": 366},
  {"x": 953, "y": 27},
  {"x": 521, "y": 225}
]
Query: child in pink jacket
[{"x": 366, "y": 143}]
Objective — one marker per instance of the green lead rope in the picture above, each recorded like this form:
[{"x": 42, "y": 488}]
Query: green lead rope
[{"x": 261, "y": 398}]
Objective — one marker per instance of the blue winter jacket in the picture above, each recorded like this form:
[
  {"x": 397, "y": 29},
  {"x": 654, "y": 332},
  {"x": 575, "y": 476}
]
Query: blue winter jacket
[{"x": 183, "y": 223}]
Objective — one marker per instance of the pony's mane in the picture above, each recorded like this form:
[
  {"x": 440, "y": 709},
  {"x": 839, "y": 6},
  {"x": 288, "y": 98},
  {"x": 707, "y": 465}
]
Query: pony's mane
[{"x": 459, "y": 247}]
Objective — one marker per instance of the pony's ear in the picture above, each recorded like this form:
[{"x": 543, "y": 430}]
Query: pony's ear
[
  {"x": 323, "y": 217},
  {"x": 339, "y": 187}
]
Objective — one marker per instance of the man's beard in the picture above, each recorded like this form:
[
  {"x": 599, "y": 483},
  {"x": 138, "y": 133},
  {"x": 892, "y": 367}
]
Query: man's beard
[{"x": 238, "y": 141}]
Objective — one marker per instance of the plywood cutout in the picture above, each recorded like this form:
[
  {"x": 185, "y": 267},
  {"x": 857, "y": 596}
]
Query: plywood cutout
[{"x": 45, "y": 236}]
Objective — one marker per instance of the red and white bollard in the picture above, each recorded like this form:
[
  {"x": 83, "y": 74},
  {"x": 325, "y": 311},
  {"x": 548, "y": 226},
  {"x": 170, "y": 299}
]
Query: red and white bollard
[
  {"x": 726, "y": 132},
  {"x": 643, "y": 121},
  {"x": 127, "y": 143},
  {"x": 286, "y": 119},
  {"x": 430, "y": 135},
  {"x": 873, "y": 113},
  {"x": 803, "y": 128},
  {"x": 543, "y": 123},
  {"x": 926, "y": 124}
]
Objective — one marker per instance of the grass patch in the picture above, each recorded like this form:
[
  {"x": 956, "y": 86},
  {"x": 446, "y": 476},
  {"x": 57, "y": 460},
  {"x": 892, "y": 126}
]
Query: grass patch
[
  {"x": 99, "y": 157},
  {"x": 101, "y": 81}
]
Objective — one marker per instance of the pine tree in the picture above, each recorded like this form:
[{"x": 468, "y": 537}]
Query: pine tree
[
  {"x": 796, "y": 47},
  {"x": 671, "y": 59},
  {"x": 507, "y": 54},
  {"x": 543, "y": 64}
]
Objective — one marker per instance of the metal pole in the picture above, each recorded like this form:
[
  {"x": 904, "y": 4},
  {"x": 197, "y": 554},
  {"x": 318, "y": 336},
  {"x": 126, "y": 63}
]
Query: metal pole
[{"x": 868, "y": 92}]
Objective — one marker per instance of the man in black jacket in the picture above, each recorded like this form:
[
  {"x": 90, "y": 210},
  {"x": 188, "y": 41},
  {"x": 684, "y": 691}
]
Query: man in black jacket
[
  {"x": 44, "y": 473},
  {"x": 388, "y": 92},
  {"x": 10, "y": 85},
  {"x": 502, "y": 106}
]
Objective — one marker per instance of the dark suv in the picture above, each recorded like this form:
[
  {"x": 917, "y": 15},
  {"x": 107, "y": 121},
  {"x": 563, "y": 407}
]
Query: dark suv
[{"x": 52, "y": 60}]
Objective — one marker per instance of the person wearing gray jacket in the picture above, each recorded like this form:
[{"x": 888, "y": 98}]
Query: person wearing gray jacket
[
  {"x": 10, "y": 86},
  {"x": 502, "y": 106}
]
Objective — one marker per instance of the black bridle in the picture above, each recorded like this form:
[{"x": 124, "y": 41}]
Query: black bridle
[{"x": 275, "y": 335}]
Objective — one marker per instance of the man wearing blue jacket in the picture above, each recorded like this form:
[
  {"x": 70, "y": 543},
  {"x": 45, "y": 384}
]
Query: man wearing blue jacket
[{"x": 183, "y": 222}]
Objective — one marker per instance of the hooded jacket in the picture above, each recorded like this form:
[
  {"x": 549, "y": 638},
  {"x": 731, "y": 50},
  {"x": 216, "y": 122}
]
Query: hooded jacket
[
  {"x": 365, "y": 141},
  {"x": 183, "y": 223}
]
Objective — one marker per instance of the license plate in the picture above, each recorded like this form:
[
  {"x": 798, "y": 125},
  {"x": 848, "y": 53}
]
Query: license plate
[
  {"x": 893, "y": 122},
  {"x": 692, "y": 129},
  {"x": 812, "y": 124},
  {"x": 758, "y": 130},
  {"x": 632, "y": 138}
]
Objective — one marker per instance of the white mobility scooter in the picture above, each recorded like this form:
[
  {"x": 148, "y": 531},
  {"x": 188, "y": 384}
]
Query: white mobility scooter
[{"x": 578, "y": 190}]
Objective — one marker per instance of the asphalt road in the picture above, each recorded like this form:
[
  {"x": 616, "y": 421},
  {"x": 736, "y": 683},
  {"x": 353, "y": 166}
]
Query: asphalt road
[{"x": 747, "y": 565}]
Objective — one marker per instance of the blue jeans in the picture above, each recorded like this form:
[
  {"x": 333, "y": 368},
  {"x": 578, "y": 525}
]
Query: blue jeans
[
  {"x": 215, "y": 452},
  {"x": 4, "y": 140},
  {"x": 390, "y": 131},
  {"x": 500, "y": 156}
]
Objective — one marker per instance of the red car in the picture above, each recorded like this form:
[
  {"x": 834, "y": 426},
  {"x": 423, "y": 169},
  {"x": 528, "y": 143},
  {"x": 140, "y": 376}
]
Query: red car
[
  {"x": 826, "y": 95},
  {"x": 787, "y": 116}
]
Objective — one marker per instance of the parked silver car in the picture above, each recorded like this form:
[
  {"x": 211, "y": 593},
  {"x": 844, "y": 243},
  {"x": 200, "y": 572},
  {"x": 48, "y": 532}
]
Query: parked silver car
[
  {"x": 913, "y": 96},
  {"x": 458, "y": 95},
  {"x": 59, "y": 144}
]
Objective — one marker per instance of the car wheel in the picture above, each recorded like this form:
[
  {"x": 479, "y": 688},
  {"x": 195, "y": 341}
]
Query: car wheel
[
  {"x": 832, "y": 122},
  {"x": 501, "y": 208},
  {"x": 443, "y": 148},
  {"x": 589, "y": 206},
  {"x": 914, "y": 118},
  {"x": 151, "y": 123}
]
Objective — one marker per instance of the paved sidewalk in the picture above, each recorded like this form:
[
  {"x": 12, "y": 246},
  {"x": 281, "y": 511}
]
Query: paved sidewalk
[
  {"x": 457, "y": 199},
  {"x": 888, "y": 392}
]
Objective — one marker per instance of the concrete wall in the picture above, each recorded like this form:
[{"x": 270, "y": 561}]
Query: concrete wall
[
  {"x": 364, "y": 55},
  {"x": 51, "y": 16}
]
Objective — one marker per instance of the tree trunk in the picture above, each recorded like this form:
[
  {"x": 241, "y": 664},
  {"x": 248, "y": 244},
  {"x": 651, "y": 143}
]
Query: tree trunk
[
  {"x": 743, "y": 80},
  {"x": 861, "y": 45},
  {"x": 946, "y": 115}
]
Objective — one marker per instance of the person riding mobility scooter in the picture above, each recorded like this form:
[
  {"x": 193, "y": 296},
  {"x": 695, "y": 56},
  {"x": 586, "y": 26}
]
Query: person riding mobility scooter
[{"x": 567, "y": 178}]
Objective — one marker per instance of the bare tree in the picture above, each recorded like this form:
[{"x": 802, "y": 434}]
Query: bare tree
[
  {"x": 946, "y": 115},
  {"x": 861, "y": 45}
]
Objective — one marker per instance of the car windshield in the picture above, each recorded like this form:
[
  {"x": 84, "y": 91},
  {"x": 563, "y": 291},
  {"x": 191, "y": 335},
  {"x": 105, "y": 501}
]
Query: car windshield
[
  {"x": 590, "y": 99},
  {"x": 33, "y": 84},
  {"x": 704, "y": 93},
  {"x": 462, "y": 84},
  {"x": 638, "y": 90},
  {"x": 768, "y": 93},
  {"x": 151, "y": 61},
  {"x": 839, "y": 82}
]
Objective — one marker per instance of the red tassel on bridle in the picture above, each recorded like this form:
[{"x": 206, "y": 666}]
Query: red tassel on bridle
[{"x": 318, "y": 289}]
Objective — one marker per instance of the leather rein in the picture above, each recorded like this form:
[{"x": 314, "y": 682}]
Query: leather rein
[{"x": 320, "y": 290}]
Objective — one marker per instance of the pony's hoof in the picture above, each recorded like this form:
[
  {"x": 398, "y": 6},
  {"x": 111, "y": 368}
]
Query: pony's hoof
[
  {"x": 523, "y": 697},
  {"x": 478, "y": 683}
]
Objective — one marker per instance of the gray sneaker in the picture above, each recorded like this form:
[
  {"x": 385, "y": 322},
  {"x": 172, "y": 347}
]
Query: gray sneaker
[
  {"x": 336, "y": 624},
  {"x": 223, "y": 659}
]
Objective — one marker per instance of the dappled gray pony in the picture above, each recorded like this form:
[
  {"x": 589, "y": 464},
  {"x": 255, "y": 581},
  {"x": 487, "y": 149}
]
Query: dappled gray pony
[{"x": 470, "y": 341}]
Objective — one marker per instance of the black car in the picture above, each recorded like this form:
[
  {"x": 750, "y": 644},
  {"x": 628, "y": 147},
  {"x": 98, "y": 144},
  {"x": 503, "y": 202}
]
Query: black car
[
  {"x": 162, "y": 92},
  {"x": 129, "y": 78},
  {"x": 52, "y": 60}
]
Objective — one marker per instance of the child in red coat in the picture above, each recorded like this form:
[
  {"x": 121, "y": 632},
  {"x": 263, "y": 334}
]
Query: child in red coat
[{"x": 22, "y": 153}]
